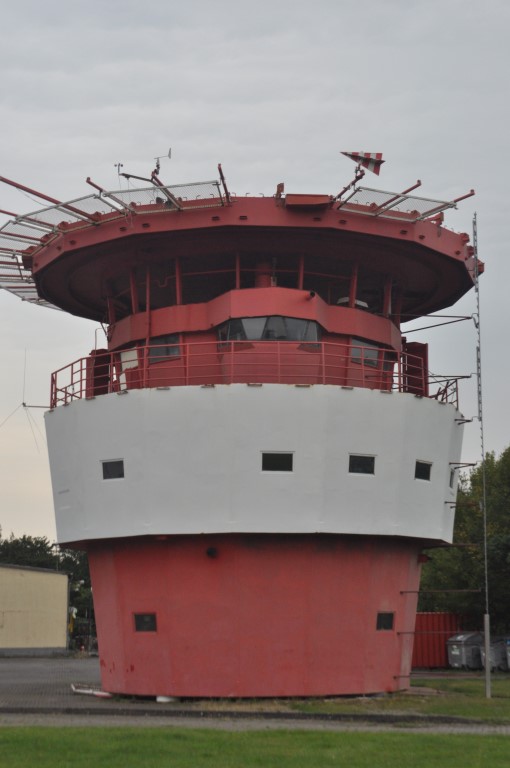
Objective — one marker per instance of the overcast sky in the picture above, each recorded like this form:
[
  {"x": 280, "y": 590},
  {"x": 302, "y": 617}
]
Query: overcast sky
[{"x": 274, "y": 91}]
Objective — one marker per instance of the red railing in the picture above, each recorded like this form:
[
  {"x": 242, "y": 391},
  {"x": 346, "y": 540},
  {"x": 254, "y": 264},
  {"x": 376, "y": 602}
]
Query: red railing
[{"x": 249, "y": 362}]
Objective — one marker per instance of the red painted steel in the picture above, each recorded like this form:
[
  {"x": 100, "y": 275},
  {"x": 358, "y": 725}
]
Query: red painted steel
[
  {"x": 248, "y": 362},
  {"x": 431, "y": 633},
  {"x": 255, "y": 615},
  {"x": 434, "y": 270},
  {"x": 254, "y": 302},
  {"x": 249, "y": 615}
]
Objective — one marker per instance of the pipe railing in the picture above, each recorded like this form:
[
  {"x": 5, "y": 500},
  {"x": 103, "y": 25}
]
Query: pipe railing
[{"x": 249, "y": 362}]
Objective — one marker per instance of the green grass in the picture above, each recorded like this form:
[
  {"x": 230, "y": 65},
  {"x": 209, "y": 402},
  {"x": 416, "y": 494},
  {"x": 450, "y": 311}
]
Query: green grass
[
  {"x": 179, "y": 748},
  {"x": 453, "y": 697}
]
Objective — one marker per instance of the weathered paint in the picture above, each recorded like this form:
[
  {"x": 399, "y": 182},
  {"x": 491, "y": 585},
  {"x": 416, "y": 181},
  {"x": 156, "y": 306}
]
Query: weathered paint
[{"x": 255, "y": 615}]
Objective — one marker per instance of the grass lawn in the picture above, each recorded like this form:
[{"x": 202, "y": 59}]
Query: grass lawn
[
  {"x": 179, "y": 748},
  {"x": 456, "y": 697}
]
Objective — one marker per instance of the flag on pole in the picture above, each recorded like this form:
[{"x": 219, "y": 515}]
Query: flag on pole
[{"x": 372, "y": 161}]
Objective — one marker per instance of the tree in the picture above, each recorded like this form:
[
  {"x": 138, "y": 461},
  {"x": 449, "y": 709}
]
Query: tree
[
  {"x": 36, "y": 552},
  {"x": 462, "y": 566}
]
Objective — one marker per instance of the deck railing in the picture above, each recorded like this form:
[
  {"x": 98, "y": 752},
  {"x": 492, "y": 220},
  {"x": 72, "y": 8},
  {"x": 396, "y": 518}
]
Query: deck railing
[{"x": 249, "y": 362}]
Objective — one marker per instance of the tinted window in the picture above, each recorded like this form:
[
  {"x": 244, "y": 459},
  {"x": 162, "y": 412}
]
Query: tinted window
[
  {"x": 363, "y": 352},
  {"x": 385, "y": 620},
  {"x": 164, "y": 347},
  {"x": 422, "y": 470},
  {"x": 272, "y": 328},
  {"x": 113, "y": 470},
  {"x": 277, "y": 462},
  {"x": 361, "y": 465},
  {"x": 145, "y": 622}
]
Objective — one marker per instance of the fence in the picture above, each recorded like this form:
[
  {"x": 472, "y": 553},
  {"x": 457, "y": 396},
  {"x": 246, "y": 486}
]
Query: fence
[{"x": 251, "y": 362}]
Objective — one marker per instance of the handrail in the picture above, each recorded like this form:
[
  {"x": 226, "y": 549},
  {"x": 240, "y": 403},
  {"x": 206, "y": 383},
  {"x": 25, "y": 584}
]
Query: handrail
[{"x": 249, "y": 362}]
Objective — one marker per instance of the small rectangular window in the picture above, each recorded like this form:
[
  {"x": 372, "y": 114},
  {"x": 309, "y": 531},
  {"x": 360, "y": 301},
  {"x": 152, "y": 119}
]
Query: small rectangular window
[
  {"x": 452, "y": 478},
  {"x": 164, "y": 348},
  {"x": 422, "y": 470},
  {"x": 385, "y": 621},
  {"x": 113, "y": 470},
  {"x": 277, "y": 462},
  {"x": 363, "y": 352},
  {"x": 361, "y": 465},
  {"x": 145, "y": 622}
]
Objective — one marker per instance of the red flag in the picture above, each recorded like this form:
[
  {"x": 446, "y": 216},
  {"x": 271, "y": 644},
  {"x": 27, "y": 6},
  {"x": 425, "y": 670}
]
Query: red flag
[{"x": 370, "y": 160}]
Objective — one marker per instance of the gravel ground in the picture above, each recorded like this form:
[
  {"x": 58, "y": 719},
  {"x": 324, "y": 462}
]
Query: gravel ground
[
  {"x": 235, "y": 725},
  {"x": 37, "y": 691}
]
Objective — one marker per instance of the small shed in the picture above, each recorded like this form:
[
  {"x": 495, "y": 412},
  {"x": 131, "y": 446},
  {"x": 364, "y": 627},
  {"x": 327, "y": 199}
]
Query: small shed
[{"x": 33, "y": 611}]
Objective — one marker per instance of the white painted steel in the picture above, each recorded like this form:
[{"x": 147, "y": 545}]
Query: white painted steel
[{"x": 192, "y": 459}]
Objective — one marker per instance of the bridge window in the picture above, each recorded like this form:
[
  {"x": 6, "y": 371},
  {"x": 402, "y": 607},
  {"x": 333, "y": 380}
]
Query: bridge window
[
  {"x": 272, "y": 328},
  {"x": 164, "y": 347},
  {"x": 363, "y": 352}
]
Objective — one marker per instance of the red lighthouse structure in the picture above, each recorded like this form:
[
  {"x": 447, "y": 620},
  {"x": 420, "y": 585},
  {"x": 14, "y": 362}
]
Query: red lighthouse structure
[{"x": 258, "y": 459}]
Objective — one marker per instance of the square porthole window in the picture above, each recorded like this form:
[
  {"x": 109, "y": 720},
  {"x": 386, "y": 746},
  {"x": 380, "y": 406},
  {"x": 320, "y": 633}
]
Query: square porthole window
[
  {"x": 277, "y": 462},
  {"x": 422, "y": 470},
  {"x": 145, "y": 622},
  {"x": 361, "y": 465},
  {"x": 385, "y": 621},
  {"x": 113, "y": 470}
]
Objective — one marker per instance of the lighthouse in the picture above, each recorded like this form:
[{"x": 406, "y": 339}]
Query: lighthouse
[{"x": 257, "y": 459}]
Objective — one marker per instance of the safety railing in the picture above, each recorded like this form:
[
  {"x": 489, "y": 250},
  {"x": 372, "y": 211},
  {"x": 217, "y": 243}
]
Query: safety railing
[{"x": 249, "y": 362}]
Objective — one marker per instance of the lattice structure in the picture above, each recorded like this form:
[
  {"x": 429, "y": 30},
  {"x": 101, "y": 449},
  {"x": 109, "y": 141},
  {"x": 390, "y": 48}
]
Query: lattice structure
[
  {"x": 393, "y": 205},
  {"x": 39, "y": 227}
]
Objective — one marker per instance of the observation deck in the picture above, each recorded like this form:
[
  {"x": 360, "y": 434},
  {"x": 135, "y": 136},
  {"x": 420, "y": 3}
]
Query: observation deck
[{"x": 234, "y": 362}]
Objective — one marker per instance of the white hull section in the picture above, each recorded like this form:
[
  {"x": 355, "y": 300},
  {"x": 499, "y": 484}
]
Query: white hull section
[{"x": 192, "y": 459}]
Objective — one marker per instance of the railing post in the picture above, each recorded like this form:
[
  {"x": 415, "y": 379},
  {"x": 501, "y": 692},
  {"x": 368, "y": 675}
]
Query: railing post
[
  {"x": 145, "y": 358},
  {"x": 111, "y": 371}
]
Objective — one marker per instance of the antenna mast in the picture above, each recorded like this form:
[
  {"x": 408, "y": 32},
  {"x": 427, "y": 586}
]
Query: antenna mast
[{"x": 483, "y": 500}]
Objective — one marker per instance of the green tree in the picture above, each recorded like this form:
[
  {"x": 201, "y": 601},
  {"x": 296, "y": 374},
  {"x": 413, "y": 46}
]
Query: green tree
[{"x": 461, "y": 567}]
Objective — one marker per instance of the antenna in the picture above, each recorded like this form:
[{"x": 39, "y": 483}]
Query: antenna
[
  {"x": 483, "y": 500},
  {"x": 157, "y": 159}
]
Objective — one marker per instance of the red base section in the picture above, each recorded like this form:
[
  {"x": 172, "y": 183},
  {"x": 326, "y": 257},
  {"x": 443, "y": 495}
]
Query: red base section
[{"x": 246, "y": 615}]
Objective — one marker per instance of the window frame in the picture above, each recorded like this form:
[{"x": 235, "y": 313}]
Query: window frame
[
  {"x": 107, "y": 462},
  {"x": 422, "y": 463},
  {"x": 272, "y": 454},
  {"x": 235, "y": 329},
  {"x": 382, "y": 619},
  {"x": 138, "y": 622},
  {"x": 354, "y": 456},
  {"x": 162, "y": 350},
  {"x": 359, "y": 350}
]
